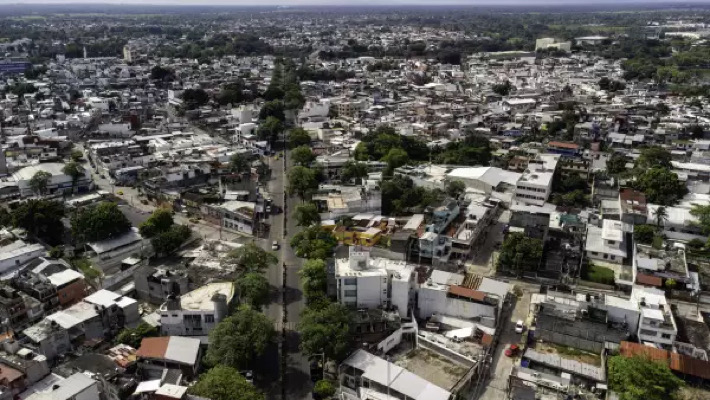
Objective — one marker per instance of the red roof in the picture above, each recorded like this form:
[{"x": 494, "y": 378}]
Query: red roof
[
  {"x": 153, "y": 347},
  {"x": 629, "y": 349},
  {"x": 649, "y": 280},
  {"x": 563, "y": 145},
  {"x": 677, "y": 362},
  {"x": 466, "y": 292}
]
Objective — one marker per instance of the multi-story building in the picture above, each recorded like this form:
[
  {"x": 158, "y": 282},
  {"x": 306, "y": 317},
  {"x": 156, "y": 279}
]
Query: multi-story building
[
  {"x": 656, "y": 323},
  {"x": 608, "y": 243},
  {"x": 17, "y": 253},
  {"x": 198, "y": 312},
  {"x": 156, "y": 284},
  {"x": 535, "y": 185},
  {"x": 365, "y": 282},
  {"x": 69, "y": 283}
]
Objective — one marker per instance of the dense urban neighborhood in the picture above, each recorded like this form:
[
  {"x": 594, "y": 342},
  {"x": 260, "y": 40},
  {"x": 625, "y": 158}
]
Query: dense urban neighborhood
[{"x": 221, "y": 203}]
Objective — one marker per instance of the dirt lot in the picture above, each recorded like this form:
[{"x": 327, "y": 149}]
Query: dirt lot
[
  {"x": 432, "y": 367},
  {"x": 570, "y": 354}
]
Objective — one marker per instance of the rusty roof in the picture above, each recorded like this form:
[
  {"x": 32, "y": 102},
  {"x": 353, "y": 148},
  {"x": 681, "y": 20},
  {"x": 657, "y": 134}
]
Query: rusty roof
[
  {"x": 629, "y": 349},
  {"x": 690, "y": 366},
  {"x": 563, "y": 145},
  {"x": 649, "y": 280},
  {"x": 466, "y": 292},
  {"x": 153, "y": 347}
]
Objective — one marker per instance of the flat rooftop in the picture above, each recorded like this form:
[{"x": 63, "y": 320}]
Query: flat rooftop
[
  {"x": 201, "y": 298},
  {"x": 434, "y": 368}
]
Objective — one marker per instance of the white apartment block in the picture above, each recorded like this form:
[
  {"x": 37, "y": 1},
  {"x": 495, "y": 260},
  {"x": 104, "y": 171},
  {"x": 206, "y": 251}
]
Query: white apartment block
[
  {"x": 535, "y": 185},
  {"x": 365, "y": 282},
  {"x": 198, "y": 312},
  {"x": 608, "y": 243},
  {"x": 656, "y": 324}
]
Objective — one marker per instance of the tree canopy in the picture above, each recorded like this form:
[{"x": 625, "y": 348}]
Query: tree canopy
[
  {"x": 134, "y": 336},
  {"x": 661, "y": 186},
  {"x": 239, "y": 338},
  {"x": 644, "y": 233},
  {"x": 520, "y": 253},
  {"x": 307, "y": 214},
  {"x": 100, "y": 222},
  {"x": 39, "y": 182},
  {"x": 654, "y": 157},
  {"x": 639, "y": 378},
  {"x": 253, "y": 289},
  {"x": 194, "y": 98},
  {"x": 298, "y": 137},
  {"x": 314, "y": 276},
  {"x": 224, "y": 383},
  {"x": 314, "y": 242},
  {"x": 169, "y": 241},
  {"x": 326, "y": 330},
  {"x": 40, "y": 218},
  {"x": 353, "y": 170},
  {"x": 302, "y": 181},
  {"x": 250, "y": 258},
  {"x": 702, "y": 213},
  {"x": 270, "y": 129},
  {"x": 74, "y": 170},
  {"x": 302, "y": 155},
  {"x": 160, "y": 221},
  {"x": 616, "y": 163},
  {"x": 400, "y": 196}
]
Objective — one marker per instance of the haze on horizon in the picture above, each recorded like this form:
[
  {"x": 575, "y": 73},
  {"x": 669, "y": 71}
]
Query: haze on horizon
[{"x": 297, "y": 3}]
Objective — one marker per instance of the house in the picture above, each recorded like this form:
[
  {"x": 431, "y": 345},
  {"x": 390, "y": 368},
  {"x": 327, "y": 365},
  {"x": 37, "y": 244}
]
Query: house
[
  {"x": 196, "y": 313},
  {"x": 69, "y": 283},
  {"x": 658, "y": 268},
  {"x": 156, "y": 284},
  {"x": 367, "y": 376},
  {"x": 107, "y": 254},
  {"x": 656, "y": 324},
  {"x": 48, "y": 338},
  {"x": 13, "y": 255},
  {"x": 76, "y": 387},
  {"x": 608, "y": 243},
  {"x": 169, "y": 352},
  {"x": 563, "y": 148}
]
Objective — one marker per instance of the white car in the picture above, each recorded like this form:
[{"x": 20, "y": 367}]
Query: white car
[
  {"x": 519, "y": 327},
  {"x": 275, "y": 245}
]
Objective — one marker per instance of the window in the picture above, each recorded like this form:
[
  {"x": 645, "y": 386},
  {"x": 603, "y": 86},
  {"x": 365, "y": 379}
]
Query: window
[
  {"x": 350, "y": 281},
  {"x": 209, "y": 318},
  {"x": 174, "y": 315},
  {"x": 606, "y": 256},
  {"x": 647, "y": 332},
  {"x": 613, "y": 257},
  {"x": 666, "y": 335},
  {"x": 350, "y": 293}
]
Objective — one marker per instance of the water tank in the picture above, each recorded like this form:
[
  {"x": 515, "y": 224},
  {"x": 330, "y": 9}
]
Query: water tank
[{"x": 221, "y": 308}]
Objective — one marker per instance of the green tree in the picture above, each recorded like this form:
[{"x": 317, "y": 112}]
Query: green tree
[
  {"x": 326, "y": 329},
  {"x": 253, "y": 288},
  {"x": 238, "y": 339},
  {"x": 77, "y": 155},
  {"x": 353, "y": 170},
  {"x": 702, "y": 213},
  {"x": 520, "y": 253},
  {"x": 396, "y": 158},
  {"x": 644, "y": 234},
  {"x": 298, "y": 137},
  {"x": 134, "y": 336},
  {"x": 250, "y": 258},
  {"x": 302, "y": 155},
  {"x": 661, "y": 186},
  {"x": 324, "y": 389},
  {"x": 272, "y": 109},
  {"x": 654, "y": 157},
  {"x": 160, "y": 221},
  {"x": 161, "y": 73},
  {"x": 40, "y": 218},
  {"x": 75, "y": 171},
  {"x": 240, "y": 163},
  {"x": 270, "y": 129},
  {"x": 302, "y": 181},
  {"x": 40, "y": 181},
  {"x": 102, "y": 221},
  {"x": 616, "y": 163},
  {"x": 169, "y": 241},
  {"x": 455, "y": 189},
  {"x": 640, "y": 378},
  {"x": 194, "y": 98},
  {"x": 307, "y": 214},
  {"x": 224, "y": 383},
  {"x": 503, "y": 89},
  {"x": 314, "y": 276},
  {"x": 314, "y": 242},
  {"x": 5, "y": 217}
]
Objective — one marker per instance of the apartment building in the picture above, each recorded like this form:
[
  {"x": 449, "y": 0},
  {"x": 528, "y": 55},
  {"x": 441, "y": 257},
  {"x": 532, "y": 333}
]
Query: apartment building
[
  {"x": 656, "y": 323},
  {"x": 608, "y": 243},
  {"x": 198, "y": 312}
]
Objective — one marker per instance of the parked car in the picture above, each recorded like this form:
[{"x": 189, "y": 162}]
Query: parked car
[
  {"x": 512, "y": 350},
  {"x": 275, "y": 245},
  {"x": 519, "y": 327}
]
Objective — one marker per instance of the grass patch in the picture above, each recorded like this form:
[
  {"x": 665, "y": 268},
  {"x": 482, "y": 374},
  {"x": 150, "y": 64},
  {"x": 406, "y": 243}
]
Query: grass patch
[
  {"x": 84, "y": 265},
  {"x": 598, "y": 274}
]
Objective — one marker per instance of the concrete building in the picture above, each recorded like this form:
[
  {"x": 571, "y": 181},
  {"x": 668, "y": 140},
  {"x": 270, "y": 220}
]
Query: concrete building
[
  {"x": 608, "y": 243},
  {"x": 535, "y": 185},
  {"x": 69, "y": 283},
  {"x": 169, "y": 352},
  {"x": 551, "y": 43},
  {"x": 656, "y": 324},
  {"x": 198, "y": 312},
  {"x": 59, "y": 182},
  {"x": 108, "y": 254},
  {"x": 365, "y": 282},
  {"x": 156, "y": 284},
  {"x": 76, "y": 387},
  {"x": 17, "y": 253}
]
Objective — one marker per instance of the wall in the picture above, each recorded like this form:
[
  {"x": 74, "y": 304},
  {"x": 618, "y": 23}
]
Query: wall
[
  {"x": 371, "y": 291},
  {"x": 90, "y": 393},
  {"x": 400, "y": 296},
  {"x": 71, "y": 293}
]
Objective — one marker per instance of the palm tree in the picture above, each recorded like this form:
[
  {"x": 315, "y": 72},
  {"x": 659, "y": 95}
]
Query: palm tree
[{"x": 660, "y": 215}]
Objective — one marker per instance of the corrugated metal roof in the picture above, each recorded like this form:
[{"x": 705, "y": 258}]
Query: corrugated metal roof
[
  {"x": 153, "y": 347},
  {"x": 466, "y": 292}
]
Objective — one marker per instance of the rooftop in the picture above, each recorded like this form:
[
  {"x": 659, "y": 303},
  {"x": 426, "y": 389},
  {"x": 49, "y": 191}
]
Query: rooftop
[
  {"x": 180, "y": 349},
  {"x": 200, "y": 299}
]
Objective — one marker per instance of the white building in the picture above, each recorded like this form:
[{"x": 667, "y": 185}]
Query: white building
[
  {"x": 98, "y": 103},
  {"x": 444, "y": 293},
  {"x": 76, "y": 387},
  {"x": 108, "y": 254},
  {"x": 656, "y": 325},
  {"x": 370, "y": 377},
  {"x": 13, "y": 255},
  {"x": 58, "y": 182},
  {"x": 608, "y": 243},
  {"x": 485, "y": 179},
  {"x": 535, "y": 185},
  {"x": 364, "y": 282},
  {"x": 551, "y": 43},
  {"x": 197, "y": 312}
]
